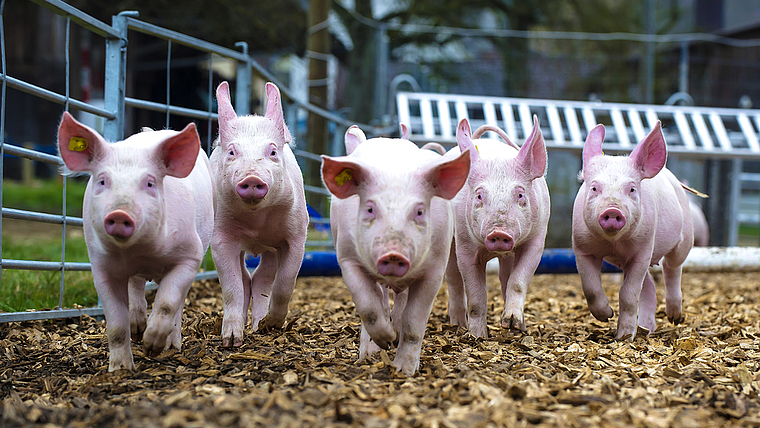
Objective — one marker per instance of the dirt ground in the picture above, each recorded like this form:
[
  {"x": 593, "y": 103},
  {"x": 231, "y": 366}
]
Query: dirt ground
[{"x": 566, "y": 371}]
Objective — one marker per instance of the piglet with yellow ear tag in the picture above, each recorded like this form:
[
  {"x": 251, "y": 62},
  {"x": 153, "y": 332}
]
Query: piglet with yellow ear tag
[
  {"x": 392, "y": 225},
  {"x": 148, "y": 215}
]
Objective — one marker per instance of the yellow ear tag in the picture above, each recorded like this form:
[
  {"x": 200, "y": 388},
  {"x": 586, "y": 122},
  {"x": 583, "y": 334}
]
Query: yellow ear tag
[
  {"x": 477, "y": 149},
  {"x": 344, "y": 176},
  {"x": 77, "y": 144}
]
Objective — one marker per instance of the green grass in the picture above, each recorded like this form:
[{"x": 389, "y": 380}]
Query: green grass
[
  {"x": 45, "y": 196},
  {"x": 21, "y": 289},
  {"x": 750, "y": 231}
]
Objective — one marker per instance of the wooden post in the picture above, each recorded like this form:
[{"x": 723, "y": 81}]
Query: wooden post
[{"x": 318, "y": 47}]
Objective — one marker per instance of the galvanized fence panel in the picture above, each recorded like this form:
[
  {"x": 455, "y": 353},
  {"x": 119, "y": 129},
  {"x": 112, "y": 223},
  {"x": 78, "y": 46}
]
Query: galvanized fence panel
[{"x": 115, "y": 103}]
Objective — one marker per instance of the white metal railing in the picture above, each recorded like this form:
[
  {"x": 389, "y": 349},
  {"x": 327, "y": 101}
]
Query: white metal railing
[
  {"x": 701, "y": 131},
  {"x": 697, "y": 132}
]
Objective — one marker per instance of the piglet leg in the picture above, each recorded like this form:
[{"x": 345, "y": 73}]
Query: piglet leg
[
  {"x": 413, "y": 323},
  {"x": 590, "y": 270},
  {"x": 170, "y": 298},
  {"x": 290, "y": 258},
  {"x": 227, "y": 258},
  {"x": 526, "y": 260},
  {"x": 138, "y": 308},
  {"x": 115, "y": 300},
  {"x": 457, "y": 297}
]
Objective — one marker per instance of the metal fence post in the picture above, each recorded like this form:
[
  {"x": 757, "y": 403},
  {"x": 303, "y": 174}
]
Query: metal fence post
[
  {"x": 733, "y": 202},
  {"x": 243, "y": 87},
  {"x": 116, "y": 78}
]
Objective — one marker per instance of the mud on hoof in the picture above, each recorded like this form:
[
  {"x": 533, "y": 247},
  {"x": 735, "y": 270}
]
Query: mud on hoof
[{"x": 513, "y": 324}]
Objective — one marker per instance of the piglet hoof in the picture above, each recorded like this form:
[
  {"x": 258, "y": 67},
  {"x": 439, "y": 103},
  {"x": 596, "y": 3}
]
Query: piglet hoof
[
  {"x": 268, "y": 325},
  {"x": 513, "y": 324},
  {"x": 136, "y": 333},
  {"x": 152, "y": 350},
  {"x": 232, "y": 342},
  {"x": 675, "y": 316},
  {"x": 604, "y": 314}
]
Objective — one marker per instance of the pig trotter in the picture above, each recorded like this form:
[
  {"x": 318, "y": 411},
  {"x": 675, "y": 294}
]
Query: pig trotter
[
  {"x": 232, "y": 342},
  {"x": 513, "y": 324}
]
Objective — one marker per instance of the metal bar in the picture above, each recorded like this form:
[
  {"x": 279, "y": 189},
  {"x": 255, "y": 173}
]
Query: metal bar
[
  {"x": 720, "y": 132},
  {"x": 402, "y": 103},
  {"x": 426, "y": 112},
  {"x": 163, "y": 108},
  {"x": 116, "y": 78},
  {"x": 444, "y": 118},
  {"x": 749, "y": 132},
  {"x": 46, "y": 315},
  {"x": 509, "y": 120},
  {"x": 25, "y": 153},
  {"x": 555, "y": 124},
  {"x": 589, "y": 120},
  {"x": 702, "y": 132},
  {"x": 620, "y": 129},
  {"x": 243, "y": 82},
  {"x": 315, "y": 189},
  {"x": 41, "y": 265},
  {"x": 168, "y": 82},
  {"x": 63, "y": 209},
  {"x": 54, "y": 97},
  {"x": 210, "y": 102},
  {"x": 41, "y": 217},
  {"x": 636, "y": 125},
  {"x": 572, "y": 126},
  {"x": 525, "y": 119},
  {"x": 307, "y": 155},
  {"x": 733, "y": 202},
  {"x": 183, "y": 39},
  {"x": 683, "y": 128},
  {"x": 80, "y": 18},
  {"x": 2, "y": 125}
]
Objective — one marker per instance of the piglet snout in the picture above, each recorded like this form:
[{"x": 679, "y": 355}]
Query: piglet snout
[
  {"x": 499, "y": 241},
  {"x": 252, "y": 188},
  {"x": 392, "y": 264},
  {"x": 612, "y": 220},
  {"x": 119, "y": 224}
]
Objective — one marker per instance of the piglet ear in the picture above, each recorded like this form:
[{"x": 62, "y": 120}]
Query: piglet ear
[
  {"x": 178, "y": 153},
  {"x": 464, "y": 140},
  {"x": 354, "y": 136},
  {"x": 593, "y": 146},
  {"x": 446, "y": 177},
  {"x": 274, "y": 111},
  {"x": 342, "y": 177},
  {"x": 226, "y": 112},
  {"x": 651, "y": 154},
  {"x": 78, "y": 144},
  {"x": 532, "y": 154},
  {"x": 405, "y": 131}
]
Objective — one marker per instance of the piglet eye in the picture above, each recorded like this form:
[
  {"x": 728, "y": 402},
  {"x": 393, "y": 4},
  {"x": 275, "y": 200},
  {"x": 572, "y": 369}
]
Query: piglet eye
[
  {"x": 633, "y": 190},
  {"x": 519, "y": 196},
  {"x": 101, "y": 182},
  {"x": 480, "y": 197},
  {"x": 593, "y": 188},
  {"x": 151, "y": 184},
  {"x": 369, "y": 210},
  {"x": 273, "y": 153},
  {"x": 419, "y": 212}
]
